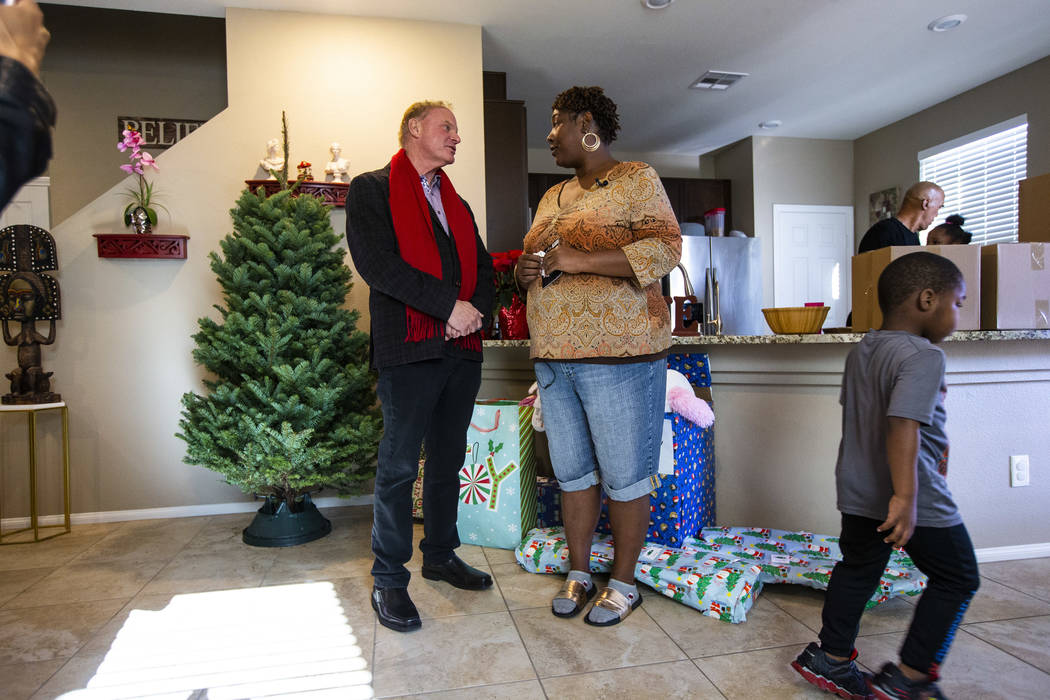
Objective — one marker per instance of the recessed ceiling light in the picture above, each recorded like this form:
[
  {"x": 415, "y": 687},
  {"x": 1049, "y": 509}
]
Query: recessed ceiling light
[
  {"x": 945, "y": 23},
  {"x": 770, "y": 124},
  {"x": 656, "y": 4}
]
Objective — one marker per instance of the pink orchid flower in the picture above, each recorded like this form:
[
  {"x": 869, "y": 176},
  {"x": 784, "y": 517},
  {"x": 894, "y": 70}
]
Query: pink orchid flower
[
  {"x": 132, "y": 139},
  {"x": 147, "y": 161},
  {"x": 132, "y": 168}
]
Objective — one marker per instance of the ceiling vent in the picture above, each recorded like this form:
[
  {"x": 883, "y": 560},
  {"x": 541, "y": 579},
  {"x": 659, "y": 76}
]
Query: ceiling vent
[{"x": 716, "y": 80}]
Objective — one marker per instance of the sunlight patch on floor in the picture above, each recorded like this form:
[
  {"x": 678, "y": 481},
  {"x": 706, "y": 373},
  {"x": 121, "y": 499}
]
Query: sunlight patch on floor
[{"x": 288, "y": 641}]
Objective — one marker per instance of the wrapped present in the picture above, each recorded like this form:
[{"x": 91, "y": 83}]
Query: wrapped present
[
  {"x": 417, "y": 493},
  {"x": 807, "y": 559},
  {"x": 684, "y": 502},
  {"x": 715, "y": 587},
  {"x": 721, "y": 572},
  {"x": 548, "y": 502},
  {"x": 497, "y": 483},
  {"x": 694, "y": 365}
]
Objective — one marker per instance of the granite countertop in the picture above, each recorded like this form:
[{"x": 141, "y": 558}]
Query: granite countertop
[{"x": 958, "y": 336}]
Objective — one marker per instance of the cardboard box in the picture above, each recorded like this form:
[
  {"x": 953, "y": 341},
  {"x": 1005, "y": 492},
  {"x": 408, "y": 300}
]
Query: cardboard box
[
  {"x": 1033, "y": 209},
  {"x": 1015, "y": 286},
  {"x": 868, "y": 266}
]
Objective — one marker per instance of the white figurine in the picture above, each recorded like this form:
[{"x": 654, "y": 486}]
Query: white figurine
[
  {"x": 274, "y": 159},
  {"x": 338, "y": 166}
]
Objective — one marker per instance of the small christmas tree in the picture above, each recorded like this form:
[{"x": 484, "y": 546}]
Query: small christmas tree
[{"x": 291, "y": 405}]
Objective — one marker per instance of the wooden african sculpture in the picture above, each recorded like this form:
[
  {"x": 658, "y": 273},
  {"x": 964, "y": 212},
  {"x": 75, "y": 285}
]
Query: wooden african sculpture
[{"x": 27, "y": 296}]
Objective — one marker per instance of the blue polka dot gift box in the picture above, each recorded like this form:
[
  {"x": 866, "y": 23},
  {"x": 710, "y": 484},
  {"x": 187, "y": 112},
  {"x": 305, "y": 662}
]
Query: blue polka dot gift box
[
  {"x": 497, "y": 482},
  {"x": 694, "y": 365},
  {"x": 684, "y": 501}
]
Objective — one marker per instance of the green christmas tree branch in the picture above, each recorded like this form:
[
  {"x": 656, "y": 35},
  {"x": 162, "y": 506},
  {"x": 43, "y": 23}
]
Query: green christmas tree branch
[{"x": 289, "y": 404}]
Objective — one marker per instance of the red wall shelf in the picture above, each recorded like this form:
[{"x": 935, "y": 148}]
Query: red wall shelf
[
  {"x": 134, "y": 245},
  {"x": 333, "y": 193}
]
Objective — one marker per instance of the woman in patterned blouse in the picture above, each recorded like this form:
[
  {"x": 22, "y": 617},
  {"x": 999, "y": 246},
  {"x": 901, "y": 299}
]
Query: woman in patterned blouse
[{"x": 600, "y": 329}]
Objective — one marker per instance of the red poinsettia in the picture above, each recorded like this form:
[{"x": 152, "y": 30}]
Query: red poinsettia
[{"x": 503, "y": 279}]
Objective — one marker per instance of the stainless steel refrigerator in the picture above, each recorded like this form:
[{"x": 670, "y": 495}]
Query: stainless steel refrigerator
[{"x": 738, "y": 269}]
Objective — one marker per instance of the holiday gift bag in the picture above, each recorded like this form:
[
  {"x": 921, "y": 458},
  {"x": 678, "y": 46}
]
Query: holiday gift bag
[{"x": 497, "y": 483}]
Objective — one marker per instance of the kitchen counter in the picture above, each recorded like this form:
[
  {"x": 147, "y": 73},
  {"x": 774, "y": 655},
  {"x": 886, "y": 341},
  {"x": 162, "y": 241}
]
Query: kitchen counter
[
  {"x": 779, "y": 422},
  {"x": 811, "y": 338}
]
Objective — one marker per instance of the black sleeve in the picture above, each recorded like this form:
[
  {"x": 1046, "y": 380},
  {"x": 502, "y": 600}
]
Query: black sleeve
[
  {"x": 373, "y": 247},
  {"x": 27, "y": 114}
]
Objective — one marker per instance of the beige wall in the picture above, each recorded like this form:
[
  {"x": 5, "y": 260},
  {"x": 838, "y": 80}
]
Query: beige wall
[
  {"x": 95, "y": 72},
  {"x": 767, "y": 170},
  {"x": 736, "y": 163},
  {"x": 123, "y": 355},
  {"x": 888, "y": 157}
]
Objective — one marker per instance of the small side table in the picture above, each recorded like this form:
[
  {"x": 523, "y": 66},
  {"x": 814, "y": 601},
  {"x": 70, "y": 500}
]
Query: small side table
[{"x": 31, "y": 410}]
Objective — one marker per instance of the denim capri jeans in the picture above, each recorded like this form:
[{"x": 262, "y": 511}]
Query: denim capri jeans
[{"x": 604, "y": 423}]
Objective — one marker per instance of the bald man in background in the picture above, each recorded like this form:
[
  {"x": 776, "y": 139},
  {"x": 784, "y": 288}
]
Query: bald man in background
[{"x": 921, "y": 203}]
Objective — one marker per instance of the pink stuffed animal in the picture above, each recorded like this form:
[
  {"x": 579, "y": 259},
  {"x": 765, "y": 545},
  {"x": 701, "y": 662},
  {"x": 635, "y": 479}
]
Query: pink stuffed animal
[{"x": 682, "y": 400}]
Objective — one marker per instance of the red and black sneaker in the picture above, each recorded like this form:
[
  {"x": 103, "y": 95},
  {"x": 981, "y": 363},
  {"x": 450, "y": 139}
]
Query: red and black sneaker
[
  {"x": 842, "y": 678},
  {"x": 891, "y": 684}
]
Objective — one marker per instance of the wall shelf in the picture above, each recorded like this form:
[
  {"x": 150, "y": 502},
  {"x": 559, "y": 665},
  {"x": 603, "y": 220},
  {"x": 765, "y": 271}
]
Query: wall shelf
[
  {"x": 134, "y": 245},
  {"x": 333, "y": 193}
]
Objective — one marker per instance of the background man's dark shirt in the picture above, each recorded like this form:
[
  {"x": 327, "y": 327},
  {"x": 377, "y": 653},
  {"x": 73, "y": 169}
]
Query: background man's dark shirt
[{"x": 886, "y": 233}]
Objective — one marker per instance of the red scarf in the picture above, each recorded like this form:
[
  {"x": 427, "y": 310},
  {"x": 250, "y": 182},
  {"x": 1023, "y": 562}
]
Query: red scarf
[{"x": 415, "y": 239}]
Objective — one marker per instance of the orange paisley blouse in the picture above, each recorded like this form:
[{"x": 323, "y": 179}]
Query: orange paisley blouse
[{"x": 586, "y": 316}]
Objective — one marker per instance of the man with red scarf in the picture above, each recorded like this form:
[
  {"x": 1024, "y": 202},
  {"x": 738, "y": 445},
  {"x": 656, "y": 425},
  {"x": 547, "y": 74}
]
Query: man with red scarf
[{"x": 415, "y": 242}]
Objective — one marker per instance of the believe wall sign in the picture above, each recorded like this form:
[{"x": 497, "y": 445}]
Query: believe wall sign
[{"x": 158, "y": 132}]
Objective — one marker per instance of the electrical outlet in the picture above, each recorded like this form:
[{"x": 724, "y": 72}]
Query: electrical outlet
[{"x": 1019, "y": 470}]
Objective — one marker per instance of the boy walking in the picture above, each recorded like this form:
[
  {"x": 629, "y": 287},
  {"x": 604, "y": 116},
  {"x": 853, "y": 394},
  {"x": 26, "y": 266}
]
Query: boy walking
[{"x": 890, "y": 478}]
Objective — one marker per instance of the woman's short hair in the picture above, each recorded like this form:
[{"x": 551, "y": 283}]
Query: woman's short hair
[
  {"x": 578, "y": 100},
  {"x": 418, "y": 110},
  {"x": 913, "y": 273},
  {"x": 953, "y": 228}
]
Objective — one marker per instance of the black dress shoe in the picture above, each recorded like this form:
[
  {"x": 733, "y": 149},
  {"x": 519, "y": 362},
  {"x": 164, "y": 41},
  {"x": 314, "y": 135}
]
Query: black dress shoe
[
  {"x": 458, "y": 574},
  {"x": 395, "y": 609}
]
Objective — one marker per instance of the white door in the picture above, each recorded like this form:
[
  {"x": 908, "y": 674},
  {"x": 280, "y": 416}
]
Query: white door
[
  {"x": 30, "y": 205},
  {"x": 812, "y": 249}
]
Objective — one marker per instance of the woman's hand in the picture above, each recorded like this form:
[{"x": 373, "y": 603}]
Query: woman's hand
[
  {"x": 528, "y": 269},
  {"x": 565, "y": 258}
]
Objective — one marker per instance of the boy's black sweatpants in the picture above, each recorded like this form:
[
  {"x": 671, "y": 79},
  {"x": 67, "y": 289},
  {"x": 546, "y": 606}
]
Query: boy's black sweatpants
[{"x": 944, "y": 554}]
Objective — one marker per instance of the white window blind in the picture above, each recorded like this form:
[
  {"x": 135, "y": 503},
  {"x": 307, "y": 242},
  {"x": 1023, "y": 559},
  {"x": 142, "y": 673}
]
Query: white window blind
[{"x": 979, "y": 174}]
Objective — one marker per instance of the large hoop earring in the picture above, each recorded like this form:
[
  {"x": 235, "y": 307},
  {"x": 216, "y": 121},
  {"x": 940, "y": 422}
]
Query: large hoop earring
[{"x": 591, "y": 147}]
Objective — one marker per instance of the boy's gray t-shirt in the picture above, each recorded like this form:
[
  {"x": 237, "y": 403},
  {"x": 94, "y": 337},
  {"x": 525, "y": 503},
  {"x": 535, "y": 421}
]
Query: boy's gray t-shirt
[{"x": 893, "y": 373}]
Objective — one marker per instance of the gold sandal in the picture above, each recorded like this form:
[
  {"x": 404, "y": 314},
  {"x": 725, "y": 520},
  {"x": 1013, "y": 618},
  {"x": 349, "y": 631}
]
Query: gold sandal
[
  {"x": 576, "y": 592},
  {"x": 612, "y": 600}
]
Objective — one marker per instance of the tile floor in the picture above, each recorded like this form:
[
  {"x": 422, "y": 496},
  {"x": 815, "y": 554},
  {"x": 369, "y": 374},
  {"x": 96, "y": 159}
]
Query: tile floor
[{"x": 63, "y": 603}]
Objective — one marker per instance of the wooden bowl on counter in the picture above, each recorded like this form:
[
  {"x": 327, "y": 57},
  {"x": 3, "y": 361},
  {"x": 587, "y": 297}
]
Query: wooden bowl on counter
[{"x": 796, "y": 319}]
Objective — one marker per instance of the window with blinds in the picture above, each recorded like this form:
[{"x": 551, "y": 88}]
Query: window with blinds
[{"x": 979, "y": 174}]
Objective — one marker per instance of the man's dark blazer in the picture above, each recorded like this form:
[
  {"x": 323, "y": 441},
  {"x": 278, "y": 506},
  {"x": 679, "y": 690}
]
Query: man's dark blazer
[{"x": 393, "y": 283}]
